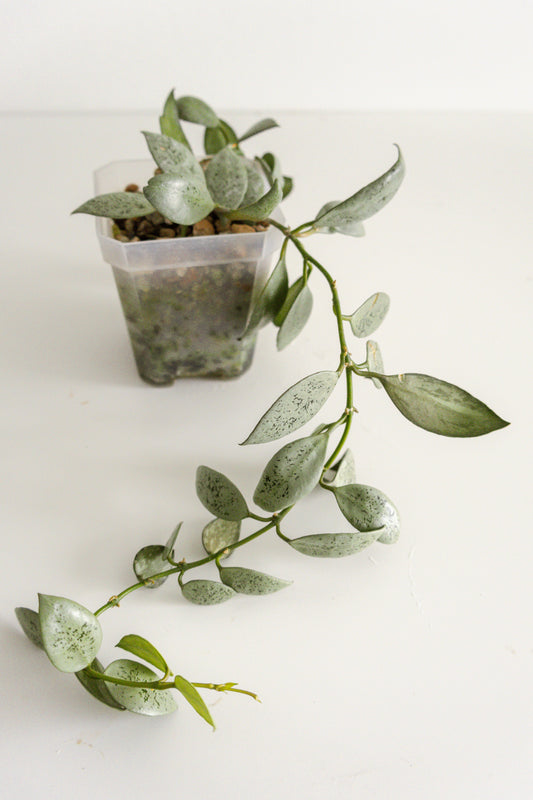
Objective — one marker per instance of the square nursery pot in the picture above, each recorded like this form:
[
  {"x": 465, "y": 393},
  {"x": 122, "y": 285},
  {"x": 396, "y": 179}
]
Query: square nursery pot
[{"x": 186, "y": 301}]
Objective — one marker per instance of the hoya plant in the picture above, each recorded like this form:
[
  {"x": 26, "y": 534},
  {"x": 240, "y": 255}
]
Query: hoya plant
[{"x": 321, "y": 461}]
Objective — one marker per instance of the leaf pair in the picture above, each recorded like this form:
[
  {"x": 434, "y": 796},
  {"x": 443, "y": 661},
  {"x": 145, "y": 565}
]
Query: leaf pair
[{"x": 153, "y": 559}]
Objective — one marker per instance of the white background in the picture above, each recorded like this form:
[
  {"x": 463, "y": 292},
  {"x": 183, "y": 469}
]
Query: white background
[{"x": 339, "y": 54}]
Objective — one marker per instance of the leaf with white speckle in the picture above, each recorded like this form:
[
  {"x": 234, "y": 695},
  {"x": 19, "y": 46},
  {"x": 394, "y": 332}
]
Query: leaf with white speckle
[
  {"x": 151, "y": 560},
  {"x": 219, "y": 534},
  {"x": 220, "y": 495},
  {"x": 206, "y": 593},
  {"x": 142, "y": 699},
  {"x": 71, "y": 633},
  {"x": 369, "y": 316},
  {"x": 334, "y": 545},
  {"x": 342, "y": 472},
  {"x": 117, "y": 205},
  {"x": 227, "y": 178},
  {"x": 249, "y": 581},
  {"x": 97, "y": 687},
  {"x": 30, "y": 624},
  {"x": 369, "y": 510}
]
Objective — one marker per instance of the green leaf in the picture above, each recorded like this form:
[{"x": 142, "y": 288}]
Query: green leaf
[
  {"x": 168, "y": 550},
  {"x": 374, "y": 361},
  {"x": 192, "y": 696},
  {"x": 348, "y": 229},
  {"x": 71, "y": 634},
  {"x": 116, "y": 205},
  {"x": 151, "y": 560},
  {"x": 249, "y": 581},
  {"x": 271, "y": 298},
  {"x": 98, "y": 687},
  {"x": 214, "y": 140},
  {"x": 370, "y": 315},
  {"x": 255, "y": 186},
  {"x": 367, "y": 201},
  {"x": 297, "y": 314},
  {"x": 288, "y": 185},
  {"x": 291, "y": 473},
  {"x": 219, "y": 534},
  {"x": 184, "y": 201},
  {"x": 259, "y": 127},
  {"x": 440, "y": 407},
  {"x": 227, "y": 178},
  {"x": 333, "y": 545},
  {"x": 219, "y": 495},
  {"x": 369, "y": 510},
  {"x": 31, "y": 625},
  {"x": 206, "y": 593},
  {"x": 261, "y": 209},
  {"x": 271, "y": 167},
  {"x": 172, "y": 156},
  {"x": 294, "y": 407},
  {"x": 140, "y": 700},
  {"x": 342, "y": 472},
  {"x": 229, "y": 133},
  {"x": 144, "y": 649},
  {"x": 192, "y": 109},
  {"x": 169, "y": 121}
]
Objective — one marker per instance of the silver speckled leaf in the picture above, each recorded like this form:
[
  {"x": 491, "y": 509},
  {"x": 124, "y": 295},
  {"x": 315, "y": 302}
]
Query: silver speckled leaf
[
  {"x": 173, "y": 156},
  {"x": 142, "y": 700},
  {"x": 369, "y": 316},
  {"x": 219, "y": 533},
  {"x": 255, "y": 187},
  {"x": 31, "y": 625},
  {"x": 342, "y": 472},
  {"x": 369, "y": 510},
  {"x": 71, "y": 633},
  {"x": 206, "y": 592},
  {"x": 440, "y": 407},
  {"x": 294, "y": 407},
  {"x": 219, "y": 495},
  {"x": 374, "y": 361},
  {"x": 249, "y": 581},
  {"x": 262, "y": 208},
  {"x": 151, "y": 560},
  {"x": 367, "y": 201},
  {"x": 333, "y": 545},
  {"x": 98, "y": 687},
  {"x": 117, "y": 205},
  {"x": 348, "y": 229},
  {"x": 296, "y": 317},
  {"x": 291, "y": 473},
  {"x": 227, "y": 178},
  {"x": 169, "y": 121},
  {"x": 271, "y": 298},
  {"x": 192, "y": 109},
  {"x": 182, "y": 200}
]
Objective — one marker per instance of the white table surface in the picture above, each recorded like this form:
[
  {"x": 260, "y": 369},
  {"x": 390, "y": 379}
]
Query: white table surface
[{"x": 404, "y": 672}]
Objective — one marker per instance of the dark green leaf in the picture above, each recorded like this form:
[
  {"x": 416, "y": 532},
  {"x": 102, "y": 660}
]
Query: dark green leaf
[
  {"x": 294, "y": 408},
  {"x": 195, "y": 110},
  {"x": 440, "y": 407},
  {"x": 219, "y": 495},
  {"x": 151, "y": 560},
  {"x": 117, "y": 205},
  {"x": 192, "y": 696},
  {"x": 370, "y": 315},
  {"x": 296, "y": 317},
  {"x": 333, "y": 545},
  {"x": 369, "y": 510},
  {"x": 367, "y": 201},
  {"x": 249, "y": 581},
  {"x": 229, "y": 133},
  {"x": 98, "y": 687},
  {"x": 271, "y": 298},
  {"x": 206, "y": 593},
  {"x": 214, "y": 140},
  {"x": 342, "y": 472},
  {"x": 144, "y": 649},
  {"x": 71, "y": 634},
  {"x": 259, "y": 127},
  {"x": 261, "y": 209},
  {"x": 31, "y": 625},
  {"x": 169, "y": 121},
  {"x": 140, "y": 700},
  {"x": 288, "y": 185},
  {"x": 184, "y": 201},
  {"x": 227, "y": 178},
  {"x": 219, "y": 534},
  {"x": 291, "y": 473}
]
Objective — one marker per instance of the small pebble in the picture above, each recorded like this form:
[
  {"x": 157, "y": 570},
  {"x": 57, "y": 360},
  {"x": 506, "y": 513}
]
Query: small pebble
[
  {"x": 131, "y": 187},
  {"x": 167, "y": 233},
  {"x": 240, "y": 227},
  {"x": 203, "y": 228}
]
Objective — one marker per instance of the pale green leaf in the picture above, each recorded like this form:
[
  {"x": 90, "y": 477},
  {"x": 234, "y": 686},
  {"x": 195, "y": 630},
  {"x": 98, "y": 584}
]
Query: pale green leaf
[
  {"x": 294, "y": 407},
  {"x": 192, "y": 109},
  {"x": 271, "y": 298},
  {"x": 367, "y": 201},
  {"x": 227, "y": 178},
  {"x": 255, "y": 186},
  {"x": 219, "y": 534},
  {"x": 227, "y": 130},
  {"x": 291, "y": 473},
  {"x": 172, "y": 156},
  {"x": 144, "y": 649},
  {"x": 271, "y": 167},
  {"x": 296, "y": 317},
  {"x": 348, "y": 228},
  {"x": 261, "y": 209},
  {"x": 169, "y": 547},
  {"x": 369, "y": 510},
  {"x": 31, "y": 625},
  {"x": 259, "y": 127},
  {"x": 151, "y": 560},
  {"x": 333, "y": 545},
  {"x": 142, "y": 699},
  {"x": 117, "y": 205},
  {"x": 181, "y": 200},
  {"x": 206, "y": 593},
  {"x": 71, "y": 634},
  {"x": 190, "y": 693},
  {"x": 219, "y": 495},
  {"x": 98, "y": 687},
  {"x": 370, "y": 315},
  {"x": 249, "y": 581},
  {"x": 440, "y": 407},
  {"x": 374, "y": 361},
  {"x": 342, "y": 472},
  {"x": 169, "y": 121}
]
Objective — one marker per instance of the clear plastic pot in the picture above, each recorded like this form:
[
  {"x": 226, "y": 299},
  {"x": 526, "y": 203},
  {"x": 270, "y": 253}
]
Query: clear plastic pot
[{"x": 186, "y": 301}]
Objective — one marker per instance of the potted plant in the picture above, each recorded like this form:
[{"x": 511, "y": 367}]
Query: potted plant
[
  {"x": 192, "y": 249},
  {"x": 320, "y": 460}
]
